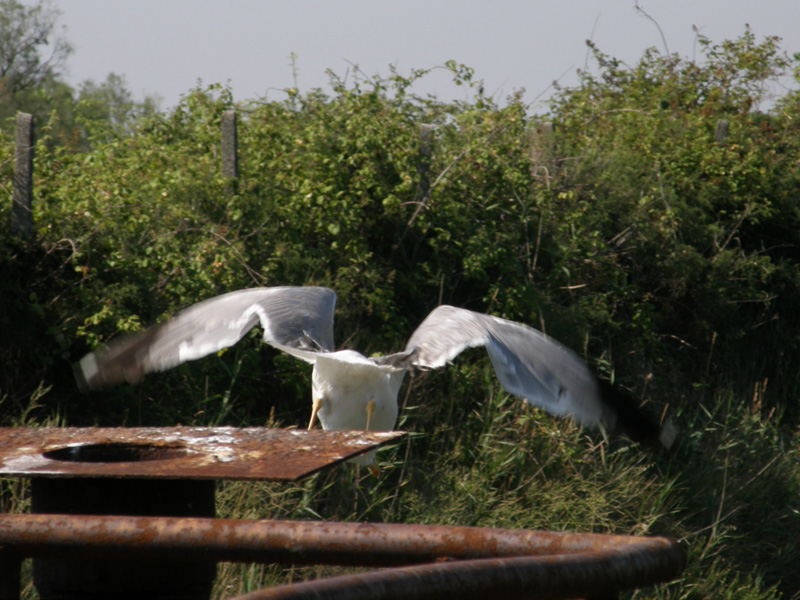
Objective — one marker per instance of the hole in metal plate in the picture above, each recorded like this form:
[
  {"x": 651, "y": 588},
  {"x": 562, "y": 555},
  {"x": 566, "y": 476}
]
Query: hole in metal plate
[{"x": 115, "y": 452}]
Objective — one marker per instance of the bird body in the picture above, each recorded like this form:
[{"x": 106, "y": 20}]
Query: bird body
[
  {"x": 345, "y": 382},
  {"x": 353, "y": 392}
]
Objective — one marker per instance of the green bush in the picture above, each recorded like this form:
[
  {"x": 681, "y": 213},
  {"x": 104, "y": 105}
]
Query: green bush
[{"x": 663, "y": 253}]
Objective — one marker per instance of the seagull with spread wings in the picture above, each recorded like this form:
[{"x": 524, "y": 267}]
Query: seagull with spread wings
[{"x": 353, "y": 392}]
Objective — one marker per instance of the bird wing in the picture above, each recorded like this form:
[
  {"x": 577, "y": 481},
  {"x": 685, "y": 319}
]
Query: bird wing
[
  {"x": 528, "y": 363},
  {"x": 292, "y": 317}
]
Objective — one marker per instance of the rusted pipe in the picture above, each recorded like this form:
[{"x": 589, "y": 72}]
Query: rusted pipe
[
  {"x": 490, "y": 562},
  {"x": 301, "y": 542},
  {"x": 598, "y": 575}
]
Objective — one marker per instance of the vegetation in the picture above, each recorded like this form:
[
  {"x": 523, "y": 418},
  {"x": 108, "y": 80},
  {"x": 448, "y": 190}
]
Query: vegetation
[{"x": 665, "y": 254}]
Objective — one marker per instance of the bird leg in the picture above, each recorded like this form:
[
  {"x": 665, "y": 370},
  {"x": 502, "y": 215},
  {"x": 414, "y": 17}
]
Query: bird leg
[
  {"x": 370, "y": 410},
  {"x": 373, "y": 468},
  {"x": 316, "y": 404}
]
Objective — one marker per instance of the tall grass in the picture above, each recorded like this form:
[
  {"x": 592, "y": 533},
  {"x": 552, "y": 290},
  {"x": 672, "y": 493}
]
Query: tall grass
[{"x": 728, "y": 490}]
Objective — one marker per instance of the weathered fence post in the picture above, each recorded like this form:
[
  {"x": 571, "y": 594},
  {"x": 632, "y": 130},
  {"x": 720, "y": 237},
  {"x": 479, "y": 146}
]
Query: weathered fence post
[
  {"x": 722, "y": 131},
  {"x": 230, "y": 159},
  {"x": 543, "y": 151},
  {"x": 546, "y": 133},
  {"x": 425, "y": 151},
  {"x": 22, "y": 197}
]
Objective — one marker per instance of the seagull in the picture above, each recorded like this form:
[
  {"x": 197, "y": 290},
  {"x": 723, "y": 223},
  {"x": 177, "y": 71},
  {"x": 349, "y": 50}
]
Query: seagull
[{"x": 351, "y": 391}]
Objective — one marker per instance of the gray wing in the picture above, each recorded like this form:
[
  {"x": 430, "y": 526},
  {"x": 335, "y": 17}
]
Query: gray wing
[
  {"x": 528, "y": 363},
  {"x": 295, "y": 317}
]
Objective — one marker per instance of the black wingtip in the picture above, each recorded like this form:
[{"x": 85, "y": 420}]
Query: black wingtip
[{"x": 633, "y": 422}]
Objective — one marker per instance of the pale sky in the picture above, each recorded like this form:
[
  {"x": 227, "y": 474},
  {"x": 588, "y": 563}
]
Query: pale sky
[{"x": 163, "y": 47}]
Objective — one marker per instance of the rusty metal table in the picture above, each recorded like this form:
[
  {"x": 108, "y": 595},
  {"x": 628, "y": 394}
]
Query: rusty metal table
[{"x": 152, "y": 472}]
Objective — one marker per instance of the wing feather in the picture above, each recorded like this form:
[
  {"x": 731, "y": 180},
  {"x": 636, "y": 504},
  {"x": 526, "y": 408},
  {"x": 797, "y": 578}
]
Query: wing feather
[
  {"x": 294, "y": 317},
  {"x": 528, "y": 363}
]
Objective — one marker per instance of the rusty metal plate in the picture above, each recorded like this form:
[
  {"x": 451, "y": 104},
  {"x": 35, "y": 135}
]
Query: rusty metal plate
[{"x": 253, "y": 453}]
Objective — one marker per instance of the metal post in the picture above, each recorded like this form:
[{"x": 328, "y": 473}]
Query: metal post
[
  {"x": 10, "y": 564},
  {"x": 22, "y": 208},
  {"x": 65, "y": 578}
]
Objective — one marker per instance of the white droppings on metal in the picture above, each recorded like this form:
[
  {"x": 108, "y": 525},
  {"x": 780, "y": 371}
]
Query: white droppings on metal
[
  {"x": 360, "y": 442},
  {"x": 221, "y": 457},
  {"x": 24, "y": 462}
]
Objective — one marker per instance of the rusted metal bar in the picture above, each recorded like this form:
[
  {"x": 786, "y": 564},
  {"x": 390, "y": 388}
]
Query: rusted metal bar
[
  {"x": 296, "y": 542},
  {"x": 600, "y": 575},
  {"x": 560, "y": 565}
]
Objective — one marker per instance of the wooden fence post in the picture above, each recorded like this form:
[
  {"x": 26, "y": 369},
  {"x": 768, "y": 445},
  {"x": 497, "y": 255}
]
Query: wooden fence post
[
  {"x": 22, "y": 198},
  {"x": 230, "y": 158},
  {"x": 426, "y": 151},
  {"x": 542, "y": 153},
  {"x": 722, "y": 131}
]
